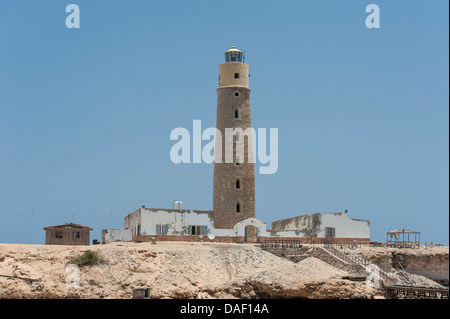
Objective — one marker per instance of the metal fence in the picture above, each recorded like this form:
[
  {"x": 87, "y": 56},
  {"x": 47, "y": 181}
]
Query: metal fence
[
  {"x": 280, "y": 244},
  {"x": 347, "y": 255}
]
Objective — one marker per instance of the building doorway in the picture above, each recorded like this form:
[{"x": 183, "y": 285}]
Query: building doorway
[
  {"x": 251, "y": 234},
  {"x": 330, "y": 232}
]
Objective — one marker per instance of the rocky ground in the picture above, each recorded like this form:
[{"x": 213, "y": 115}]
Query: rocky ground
[
  {"x": 424, "y": 263},
  {"x": 171, "y": 270}
]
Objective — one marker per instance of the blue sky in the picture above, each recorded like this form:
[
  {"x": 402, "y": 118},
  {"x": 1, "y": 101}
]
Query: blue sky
[{"x": 86, "y": 114}]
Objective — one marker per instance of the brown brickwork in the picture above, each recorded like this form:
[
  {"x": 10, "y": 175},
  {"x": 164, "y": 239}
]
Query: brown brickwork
[
  {"x": 241, "y": 239},
  {"x": 226, "y": 196},
  {"x": 319, "y": 240},
  {"x": 190, "y": 238}
]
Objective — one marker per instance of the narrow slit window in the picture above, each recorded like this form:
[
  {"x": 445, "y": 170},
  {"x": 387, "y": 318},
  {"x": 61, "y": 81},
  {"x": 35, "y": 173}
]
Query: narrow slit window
[
  {"x": 236, "y": 114},
  {"x": 238, "y": 184},
  {"x": 238, "y": 208}
]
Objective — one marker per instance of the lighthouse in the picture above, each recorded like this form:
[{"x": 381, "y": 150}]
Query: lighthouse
[{"x": 234, "y": 176}]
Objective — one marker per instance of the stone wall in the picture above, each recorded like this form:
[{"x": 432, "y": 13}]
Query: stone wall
[
  {"x": 234, "y": 239},
  {"x": 190, "y": 238},
  {"x": 226, "y": 196},
  {"x": 114, "y": 235},
  {"x": 319, "y": 240}
]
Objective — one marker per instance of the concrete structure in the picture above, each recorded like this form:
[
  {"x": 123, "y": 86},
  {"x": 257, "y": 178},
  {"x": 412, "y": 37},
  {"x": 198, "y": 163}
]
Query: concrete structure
[
  {"x": 115, "y": 235},
  {"x": 323, "y": 228},
  {"x": 234, "y": 177},
  {"x": 141, "y": 293},
  {"x": 67, "y": 234}
]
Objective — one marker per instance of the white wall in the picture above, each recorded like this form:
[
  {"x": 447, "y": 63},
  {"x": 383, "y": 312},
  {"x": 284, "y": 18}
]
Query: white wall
[
  {"x": 302, "y": 226},
  {"x": 113, "y": 235},
  {"x": 178, "y": 220},
  {"x": 345, "y": 227}
]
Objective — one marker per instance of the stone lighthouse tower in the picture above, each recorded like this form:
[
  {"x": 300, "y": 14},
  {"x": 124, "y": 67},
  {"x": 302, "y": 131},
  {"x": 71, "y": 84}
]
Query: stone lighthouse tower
[{"x": 234, "y": 176}]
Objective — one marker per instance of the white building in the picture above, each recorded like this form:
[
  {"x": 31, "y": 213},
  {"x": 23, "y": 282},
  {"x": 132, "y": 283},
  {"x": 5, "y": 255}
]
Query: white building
[
  {"x": 146, "y": 224},
  {"x": 323, "y": 228}
]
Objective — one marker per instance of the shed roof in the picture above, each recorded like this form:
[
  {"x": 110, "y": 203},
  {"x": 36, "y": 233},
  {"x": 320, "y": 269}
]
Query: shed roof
[
  {"x": 403, "y": 230},
  {"x": 68, "y": 225}
]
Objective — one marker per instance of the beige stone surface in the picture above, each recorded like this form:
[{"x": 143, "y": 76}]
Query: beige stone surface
[
  {"x": 172, "y": 270},
  {"x": 232, "y": 96}
]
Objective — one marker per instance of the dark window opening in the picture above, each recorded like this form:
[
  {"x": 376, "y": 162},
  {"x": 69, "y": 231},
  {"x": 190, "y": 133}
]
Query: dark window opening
[
  {"x": 238, "y": 208},
  {"x": 198, "y": 230},
  {"x": 330, "y": 232},
  {"x": 59, "y": 235},
  {"x": 236, "y": 94},
  {"x": 76, "y": 235},
  {"x": 236, "y": 114},
  {"x": 236, "y": 75},
  {"x": 238, "y": 183}
]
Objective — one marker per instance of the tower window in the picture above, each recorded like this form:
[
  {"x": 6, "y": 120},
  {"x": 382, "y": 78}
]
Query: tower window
[
  {"x": 238, "y": 184},
  {"x": 236, "y": 94},
  {"x": 236, "y": 75},
  {"x": 238, "y": 208},
  {"x": 236, "y": 114}
]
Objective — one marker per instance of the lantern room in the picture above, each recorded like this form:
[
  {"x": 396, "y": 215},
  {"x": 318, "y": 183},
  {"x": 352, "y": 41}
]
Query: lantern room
[{"x": 234, "y": 55}]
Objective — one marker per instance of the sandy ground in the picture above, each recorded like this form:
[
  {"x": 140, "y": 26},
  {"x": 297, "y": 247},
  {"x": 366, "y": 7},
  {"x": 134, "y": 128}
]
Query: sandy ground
[{"x": 171, "y": 270}]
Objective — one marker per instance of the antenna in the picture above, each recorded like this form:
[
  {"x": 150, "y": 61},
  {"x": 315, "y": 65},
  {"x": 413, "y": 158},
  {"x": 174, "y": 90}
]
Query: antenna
[{"x": 244, "y": 56}]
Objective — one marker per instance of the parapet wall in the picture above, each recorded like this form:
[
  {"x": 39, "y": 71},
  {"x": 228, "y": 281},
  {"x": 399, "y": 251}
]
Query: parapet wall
[{"x": 241, "y": 239}]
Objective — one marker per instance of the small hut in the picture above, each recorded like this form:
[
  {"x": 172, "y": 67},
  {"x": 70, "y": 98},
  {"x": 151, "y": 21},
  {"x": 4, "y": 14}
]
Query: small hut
[{"x": 67, "y": 234}]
